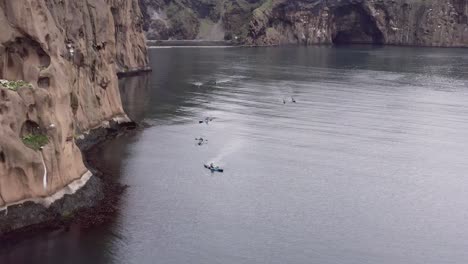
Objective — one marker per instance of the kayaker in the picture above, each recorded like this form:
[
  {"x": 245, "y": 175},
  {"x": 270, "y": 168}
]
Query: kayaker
[
  {"x": 201, "y": 141},
  {"x": 213, "y": 169}
]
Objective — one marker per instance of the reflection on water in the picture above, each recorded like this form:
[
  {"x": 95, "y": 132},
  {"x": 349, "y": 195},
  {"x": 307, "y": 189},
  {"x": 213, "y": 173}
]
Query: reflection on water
[
  {"x": 369, "y": 166},
  {"x": 134, "y": 93}
]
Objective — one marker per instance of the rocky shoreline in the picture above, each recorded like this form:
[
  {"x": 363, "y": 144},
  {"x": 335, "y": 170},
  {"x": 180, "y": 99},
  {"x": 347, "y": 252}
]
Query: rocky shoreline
[
  {"x": 59, "y": 75},
  {"x": 92, "y": 205}
]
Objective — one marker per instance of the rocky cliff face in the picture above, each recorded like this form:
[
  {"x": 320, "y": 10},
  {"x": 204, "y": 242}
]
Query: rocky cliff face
[
  {"x": 272, "y": 22},
  {"x": 397, "y": 22},
  {"x": 197, "y": 19},
  {"x": 68, "y": 52}
]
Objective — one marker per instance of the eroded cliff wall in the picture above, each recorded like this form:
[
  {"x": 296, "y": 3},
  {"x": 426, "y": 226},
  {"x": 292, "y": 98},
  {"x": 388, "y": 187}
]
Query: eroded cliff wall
[
  {"x": 272, "y": 22},
  {"x": 70, "y": 52},
  {"x": 197, "y": 19},
  {"x": 398, "y": 22}
]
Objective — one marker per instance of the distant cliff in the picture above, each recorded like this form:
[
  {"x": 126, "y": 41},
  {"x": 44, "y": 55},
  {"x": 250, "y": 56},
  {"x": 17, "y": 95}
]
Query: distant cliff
[
  {"x": 272, "y": 22},
  {"x": 197, "y": 19},
  {"x": 399, "y": 22},
  {"x": 67, "y": 54}
]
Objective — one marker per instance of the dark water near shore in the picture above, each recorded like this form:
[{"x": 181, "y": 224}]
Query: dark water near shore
[{"x": 369, "y": 166}]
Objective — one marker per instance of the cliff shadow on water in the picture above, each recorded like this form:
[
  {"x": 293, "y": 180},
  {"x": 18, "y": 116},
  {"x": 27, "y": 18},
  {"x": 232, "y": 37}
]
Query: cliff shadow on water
[{"x": 134, "y": 92}]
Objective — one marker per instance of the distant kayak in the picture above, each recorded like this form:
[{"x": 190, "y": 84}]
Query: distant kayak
[
  {"x": 214, "y": 169},
  {"x": 206, "y": 120}
]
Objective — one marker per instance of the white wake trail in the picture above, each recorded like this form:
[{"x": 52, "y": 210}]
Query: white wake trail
[{"x": 231, "y": 147}]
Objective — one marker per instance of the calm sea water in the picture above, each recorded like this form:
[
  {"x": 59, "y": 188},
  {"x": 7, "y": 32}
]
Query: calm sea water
[{"x": 369, "y": 166}]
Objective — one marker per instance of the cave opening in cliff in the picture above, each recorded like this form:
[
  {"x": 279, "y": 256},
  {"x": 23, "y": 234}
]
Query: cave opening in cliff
[
  {"x": 353, "y": 25},
  {"x": 30, "y": 128},
  {"x": 43, "y": 82}
]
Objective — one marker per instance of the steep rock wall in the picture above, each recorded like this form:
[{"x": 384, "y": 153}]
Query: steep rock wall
[
  {"x": 398, "y": 22},
  {"x": 197, "y": 19},
  {"x": 272, "y": 22},
  {"x": 70, "y": 52}
]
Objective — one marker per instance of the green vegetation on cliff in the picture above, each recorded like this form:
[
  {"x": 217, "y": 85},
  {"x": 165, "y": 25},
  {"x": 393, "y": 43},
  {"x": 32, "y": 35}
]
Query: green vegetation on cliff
[
  {"x": 35, "y": 142},
  {"x": 14, "y": 85}
]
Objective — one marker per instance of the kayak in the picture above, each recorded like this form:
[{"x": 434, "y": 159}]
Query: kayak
[{"x": 215, "y": 169}]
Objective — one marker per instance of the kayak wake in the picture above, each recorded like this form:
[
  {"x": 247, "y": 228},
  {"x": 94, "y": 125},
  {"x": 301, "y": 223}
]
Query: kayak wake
[{"x": 230, "y": 148}]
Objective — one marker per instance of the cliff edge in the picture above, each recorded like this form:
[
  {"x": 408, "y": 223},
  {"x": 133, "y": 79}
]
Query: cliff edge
[{"x": 59, "y": 61}]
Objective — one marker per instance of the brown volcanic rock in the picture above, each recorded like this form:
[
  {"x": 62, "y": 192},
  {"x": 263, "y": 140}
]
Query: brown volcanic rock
[{"x": 70, "y": 52}]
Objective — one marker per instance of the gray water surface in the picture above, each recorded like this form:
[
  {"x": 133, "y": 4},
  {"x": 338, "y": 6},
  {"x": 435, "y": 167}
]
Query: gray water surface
[{"x": 369, "y": 166}]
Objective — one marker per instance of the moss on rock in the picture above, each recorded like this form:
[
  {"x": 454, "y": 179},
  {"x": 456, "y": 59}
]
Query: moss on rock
[
  {"x": 14, "y": 85},
  {"x": 35, "y": 142}
]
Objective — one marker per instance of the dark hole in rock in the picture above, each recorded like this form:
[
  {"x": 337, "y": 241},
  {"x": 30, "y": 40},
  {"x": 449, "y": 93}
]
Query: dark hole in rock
[
  {"x": 17, "y": 53},
  {"x": 43, "y": 82},
  {"x": 30, "y": 128},
  {"x": 114, "y": 11},
  {"x": 24, "y": 52},
  {"x": 93, "y": 70},
  {"x": 3, "y": 109},
  {"x": 79, "y": 58},
  {"x": 47, "y": 39},
  {"x": 104, "y": 82},
  {"x": 44, "y": 59},
  {"x": 33, "y": 136},
  {"x": 10, "y": 62},
  {"x": 31, "y": 108},
  {"x": 49, "y": 102},
  {"x": 4, "y": 95},
  {"x": 355, "y": 26},
  {"x": 100, "y": 47},
  {"x": 74, "y": 102},
  {"x": 2, "y": 157}
]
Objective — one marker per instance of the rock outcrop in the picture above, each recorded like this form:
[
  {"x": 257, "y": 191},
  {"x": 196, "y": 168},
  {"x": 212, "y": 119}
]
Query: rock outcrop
[
  {"x": 273, "y": 22},
  {"x": 69, "y": 51}
]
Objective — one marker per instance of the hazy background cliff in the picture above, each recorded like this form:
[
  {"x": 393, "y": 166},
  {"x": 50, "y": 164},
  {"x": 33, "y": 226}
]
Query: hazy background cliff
[
  {"x": 270, "y": 22},
  {"x": 70, "y": 52},
  {"x": 197, "y": 19}
]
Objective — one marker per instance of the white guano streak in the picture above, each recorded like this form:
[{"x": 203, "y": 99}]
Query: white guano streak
[{"x": 44, "y": 178}]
